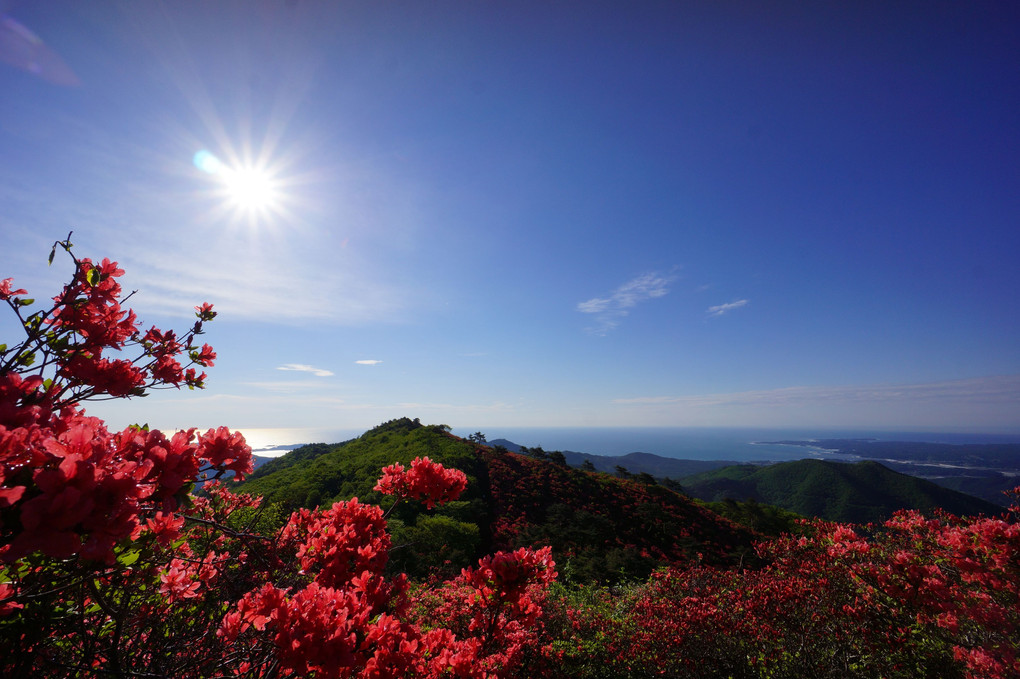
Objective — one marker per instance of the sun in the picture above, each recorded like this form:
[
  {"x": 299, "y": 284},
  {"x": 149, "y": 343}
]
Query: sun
[{"x": 250, "y": 189}]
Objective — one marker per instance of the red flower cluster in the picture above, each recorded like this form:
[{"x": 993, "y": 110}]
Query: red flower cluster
[
  {"x": 941, "y": 589},
  {"x": 71, "y": 341},
  {"x": 508, "y": 574},
  {"x": 351, "y": 620},
  {"x": 494, "y": 613},
  {"x": 341, "y": 542},
  {"x": 426, "y": 481},
  {"x": 74, "y": 489},
  {"x": 326, "y": 631},
  {"x": 68, "y": 486}
]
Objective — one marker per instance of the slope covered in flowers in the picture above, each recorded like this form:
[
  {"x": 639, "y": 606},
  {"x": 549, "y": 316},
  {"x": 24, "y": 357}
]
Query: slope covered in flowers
[
  {"x": 111, "y": 567},
  {"x": 603, "y": 528}
]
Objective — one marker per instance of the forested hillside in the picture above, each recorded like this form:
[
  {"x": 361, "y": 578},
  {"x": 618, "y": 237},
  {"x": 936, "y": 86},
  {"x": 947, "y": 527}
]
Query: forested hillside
[
  {"x": 864, "y": 492},
  {"x": 602, "y": 528}
]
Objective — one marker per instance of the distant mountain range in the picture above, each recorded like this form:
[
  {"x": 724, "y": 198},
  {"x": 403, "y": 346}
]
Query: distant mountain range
[
  {"x": 985, "y": 471},
  {"x": 658, "y": 466}
]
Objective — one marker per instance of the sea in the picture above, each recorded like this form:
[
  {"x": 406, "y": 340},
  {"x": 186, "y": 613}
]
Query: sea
[{"x": 691, "y": 443}]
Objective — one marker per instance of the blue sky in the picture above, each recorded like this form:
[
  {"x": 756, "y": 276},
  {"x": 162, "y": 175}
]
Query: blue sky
[{"x": 528, "y": 214}]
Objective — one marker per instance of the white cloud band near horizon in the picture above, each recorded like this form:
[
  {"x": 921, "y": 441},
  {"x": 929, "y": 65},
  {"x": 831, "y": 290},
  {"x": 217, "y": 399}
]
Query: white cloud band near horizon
[
  {"x": 981, "y": 402},
  {"x": 996, "y": 388},
  {"x": 368, "y": 361},
  {"x": 300, "y": 367},
  {"x": 609, "y": 311}
]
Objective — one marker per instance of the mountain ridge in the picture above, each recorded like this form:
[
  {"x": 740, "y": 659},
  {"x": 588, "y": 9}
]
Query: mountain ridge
[
  {"x": 985, "y": 485},
  {"x": 858, "y": 492},
  {"x": 602, "y": 527}
]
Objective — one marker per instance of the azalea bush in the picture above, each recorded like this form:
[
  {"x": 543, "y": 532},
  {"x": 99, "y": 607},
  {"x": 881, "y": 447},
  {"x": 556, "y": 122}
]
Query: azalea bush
[
  {"x": 913, "y": 597},
  {"x": 111, "y": 566}
]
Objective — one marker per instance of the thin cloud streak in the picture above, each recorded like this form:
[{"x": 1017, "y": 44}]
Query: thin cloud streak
[
  {"x": 368, "y": 361},
  {"x": 720, "y": 309},
  {"x": 292, "y": 386},
  {"x": 300, "y": 367},
  {"x": 498, "y": 407},
  {"x": 610, "y": 311},
  {"x": 241, "y": 291}
]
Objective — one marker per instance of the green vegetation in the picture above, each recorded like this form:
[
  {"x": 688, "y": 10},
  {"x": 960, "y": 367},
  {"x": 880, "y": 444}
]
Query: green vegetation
[
  {"x": 320, "y": 474},
  {"x": 765, "y": 519},
  {"x": 443, "y": 540},
  {"x": 602, "y": 528},
  {"x": 306, "y": 452},
  {"x": 864, "y": 492}
]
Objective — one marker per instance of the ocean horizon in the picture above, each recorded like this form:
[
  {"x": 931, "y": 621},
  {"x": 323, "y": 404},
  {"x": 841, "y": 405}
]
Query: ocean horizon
[{"x": 694, "y": 443}]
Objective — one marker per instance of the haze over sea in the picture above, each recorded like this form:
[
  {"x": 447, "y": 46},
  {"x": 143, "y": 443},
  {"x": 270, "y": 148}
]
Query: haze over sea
[{"x": 695, "y": 443}]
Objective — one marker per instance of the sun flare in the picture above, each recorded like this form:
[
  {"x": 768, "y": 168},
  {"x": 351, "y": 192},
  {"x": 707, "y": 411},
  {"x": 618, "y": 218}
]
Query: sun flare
[{"x": 249, "y": 190}]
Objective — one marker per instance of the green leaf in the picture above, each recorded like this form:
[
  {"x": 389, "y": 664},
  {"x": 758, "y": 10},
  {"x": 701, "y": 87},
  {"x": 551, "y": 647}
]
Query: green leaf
[
  {"x": 92, "y": 277},
  {"x": 52, "y": 253},
  {"x": 128, "y": 558},
  {"x": 25, "y": 302}
]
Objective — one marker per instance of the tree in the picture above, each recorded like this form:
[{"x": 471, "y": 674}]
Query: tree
[
  {"x": 673, "y": 485},
  {"x": 646, "y": 478}
]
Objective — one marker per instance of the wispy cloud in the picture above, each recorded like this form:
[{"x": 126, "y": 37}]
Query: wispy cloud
[
  {"x": 496, "y": 407},
  {"x": 368, "y": 361},
  {"x": 239, "y": 288},
  {"x": 997, "y": 389},
  {"x": 292, "y": 387},
  {"x": 300, "y": 367},
  {"x": 720, "y": 309},
  {"x": 610, "y": 311}
]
